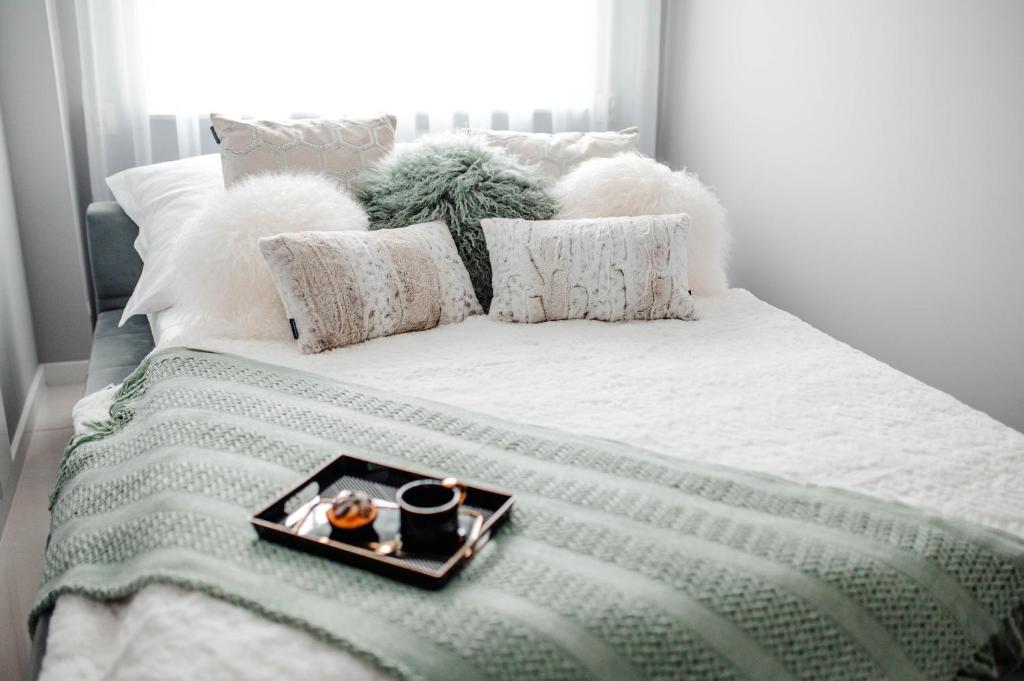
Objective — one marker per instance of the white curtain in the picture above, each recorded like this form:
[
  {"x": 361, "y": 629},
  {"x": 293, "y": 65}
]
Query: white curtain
[{"x": 153, "y": 70}]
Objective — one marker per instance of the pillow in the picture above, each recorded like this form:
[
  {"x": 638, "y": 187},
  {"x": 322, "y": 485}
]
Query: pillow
[
  {"x": 632, "y": 185},
  {"x": 340, "y": 149},
  {"x": 160, "y": 198},
  {"x": 222, "y": 284},
  {"x": 609, "y": 269},
  {"x": 554, "y": 155},
  {"x": 459, "y": 181},
  {"x": 347, "y": 287}
]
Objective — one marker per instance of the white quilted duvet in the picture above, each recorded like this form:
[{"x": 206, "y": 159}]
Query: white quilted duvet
[{"x": 748, "y": 386}]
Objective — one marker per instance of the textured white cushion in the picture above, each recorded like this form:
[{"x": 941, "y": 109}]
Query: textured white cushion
[
  {"x": 160, "y": 198},
  {"x": 221, "y": 282},
  {"x": 554, "y": 155},
  {"x": 348, "y": 287},
  {"x": 633, "y": 185},
  {"x": 609, "y": 269},
  {"x": 340, "y": 149}
]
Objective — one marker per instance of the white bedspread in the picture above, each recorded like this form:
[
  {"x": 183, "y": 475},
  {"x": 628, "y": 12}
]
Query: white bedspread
[{"x": 747, "y": 386}]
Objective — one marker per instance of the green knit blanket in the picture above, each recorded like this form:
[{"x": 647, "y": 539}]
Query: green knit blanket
[{"x": 617, "y": 563}]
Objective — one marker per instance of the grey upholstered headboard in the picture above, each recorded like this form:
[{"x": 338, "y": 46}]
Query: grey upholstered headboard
[{"x": 116, "y": 266}]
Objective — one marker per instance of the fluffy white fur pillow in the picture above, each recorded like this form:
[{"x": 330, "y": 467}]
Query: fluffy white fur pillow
[
  {"x": 224, "y": 286},
  {"x": 631, "y": 185}
]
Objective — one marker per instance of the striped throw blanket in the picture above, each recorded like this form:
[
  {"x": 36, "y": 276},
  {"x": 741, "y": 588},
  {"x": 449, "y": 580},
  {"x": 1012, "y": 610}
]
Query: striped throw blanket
[{"x": 616, "y": 564}]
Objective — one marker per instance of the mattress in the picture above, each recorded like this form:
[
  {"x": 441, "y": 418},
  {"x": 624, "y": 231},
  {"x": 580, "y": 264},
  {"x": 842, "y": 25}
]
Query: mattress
[{"x": 747, "y": 386}]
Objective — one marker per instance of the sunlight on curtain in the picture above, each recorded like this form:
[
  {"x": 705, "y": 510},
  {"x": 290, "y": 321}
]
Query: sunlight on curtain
[
  {"x": 153, "y": 70},
  {"x": 456, "y": 57}
]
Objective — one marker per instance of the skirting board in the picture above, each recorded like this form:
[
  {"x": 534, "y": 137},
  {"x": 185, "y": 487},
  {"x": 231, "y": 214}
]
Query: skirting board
[
  {"x": 19, "y": 444},
  {"x": 27, "y": 422},
  {"x": 55, "y": 373},
  {"x": 51, "y": 373}
]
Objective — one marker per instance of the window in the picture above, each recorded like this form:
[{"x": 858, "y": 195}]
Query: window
[
  {"x": 268, "y": 58},
  {"x": 153, "y": 70}
]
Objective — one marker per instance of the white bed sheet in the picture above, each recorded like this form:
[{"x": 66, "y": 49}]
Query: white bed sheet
[
  {"x": 165, "y": 324},
  {"x": 747, "y": 386}
]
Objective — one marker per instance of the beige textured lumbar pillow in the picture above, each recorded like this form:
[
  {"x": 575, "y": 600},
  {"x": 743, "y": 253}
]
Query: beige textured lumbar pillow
[
  {"x": 609, "y": 269},
  {"x": 553, "y": 155},
  {"x": 340, "y": 149},
  {"x": 341, "y": 288}
]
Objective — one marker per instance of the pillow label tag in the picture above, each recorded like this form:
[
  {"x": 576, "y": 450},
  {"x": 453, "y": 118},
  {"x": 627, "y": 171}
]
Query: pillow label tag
[
  {"x": 295, "y": 329},
  {"x": 213, "y": 132}
]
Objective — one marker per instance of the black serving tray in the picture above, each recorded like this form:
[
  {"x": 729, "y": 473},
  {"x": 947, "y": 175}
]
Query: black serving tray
[{"x": 380, "y": 481}]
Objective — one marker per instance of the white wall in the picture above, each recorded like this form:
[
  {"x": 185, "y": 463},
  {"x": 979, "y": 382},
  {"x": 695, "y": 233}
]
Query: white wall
[
  {"x": 39, "y": 148},
  {"x": 871, "y": 155}
]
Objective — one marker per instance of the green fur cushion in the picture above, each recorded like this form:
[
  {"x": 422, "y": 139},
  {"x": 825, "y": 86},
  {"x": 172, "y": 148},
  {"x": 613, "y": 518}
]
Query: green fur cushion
[{"x": 460, "y": 181}]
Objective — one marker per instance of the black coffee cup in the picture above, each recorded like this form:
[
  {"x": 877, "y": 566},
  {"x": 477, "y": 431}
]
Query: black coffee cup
[{"x": 429, "y": 512}]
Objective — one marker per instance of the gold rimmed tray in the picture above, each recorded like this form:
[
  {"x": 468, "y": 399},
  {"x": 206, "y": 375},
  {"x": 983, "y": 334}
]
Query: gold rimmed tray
[{"x": 379, "y": 548}]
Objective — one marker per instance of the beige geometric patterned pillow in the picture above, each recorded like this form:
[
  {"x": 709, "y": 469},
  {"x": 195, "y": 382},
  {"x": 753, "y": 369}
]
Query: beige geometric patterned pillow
[
  {"x": 340, "y": 149},
  {"x": 609, "y": 269},
  {"x": 341, "y": 288},
  {"x": 554, "y": 155}
]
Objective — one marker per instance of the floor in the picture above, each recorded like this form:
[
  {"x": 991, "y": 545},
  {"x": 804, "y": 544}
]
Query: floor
[{"x": 24, "y": 536}]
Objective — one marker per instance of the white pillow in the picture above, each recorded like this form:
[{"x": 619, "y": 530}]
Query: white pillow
[
  {"x": 160, "y": 198},
  {"x": 635, "y": 185},
  {"x": 222, "y": 285},
  {"x": 552, "y": 155}
]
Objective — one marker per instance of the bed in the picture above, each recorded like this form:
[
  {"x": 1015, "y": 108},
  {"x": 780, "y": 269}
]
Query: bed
[{"x": 748, "y": 387}]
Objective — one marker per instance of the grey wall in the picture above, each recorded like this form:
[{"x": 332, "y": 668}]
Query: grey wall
[
  {"x": 871, "y": 155},
  {"x": 17, "y": 344},
  {"x": 36, "y": 123}
]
